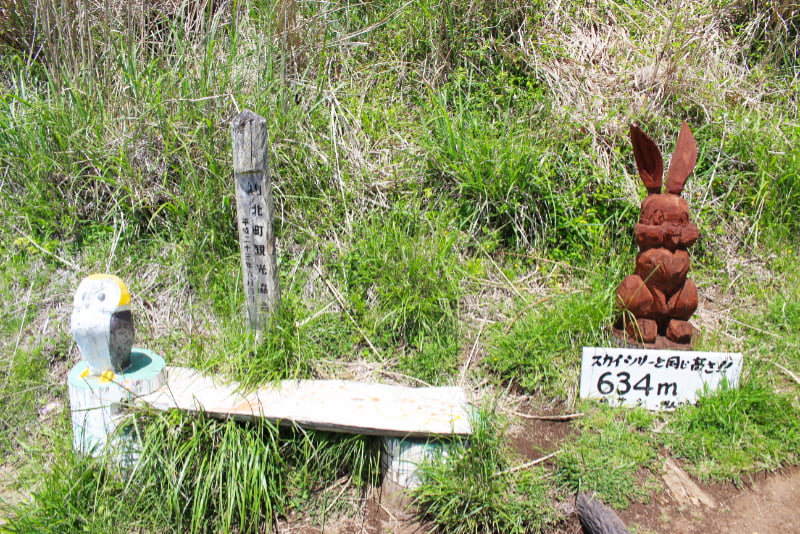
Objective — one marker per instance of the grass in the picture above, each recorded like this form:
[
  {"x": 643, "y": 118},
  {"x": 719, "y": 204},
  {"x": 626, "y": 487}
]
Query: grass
[
  {"x": 734, "y": 431},
  {"x": 535, "y": 350},
  {"x": 613, "y": 456},
  {"x": 196, "y": 475},
  {"x": 454, "y": 192},
  {"x": 473, "y": 489}
]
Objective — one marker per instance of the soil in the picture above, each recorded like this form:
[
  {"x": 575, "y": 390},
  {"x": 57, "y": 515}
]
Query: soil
[{"x": 766, "y": 503}]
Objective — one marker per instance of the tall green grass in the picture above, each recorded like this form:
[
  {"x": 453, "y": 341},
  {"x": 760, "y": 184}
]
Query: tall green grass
[
  {"x": 412, "y": 145},
  {"x": 403, "y": 282},
  {"x": 195, "y": 475},
  {"x": 735, "y": 431},
  {"x": 474, "y": 487},
  {"x": 525, "y": 175},
  {"x": 536, "y": 349},
  {"x": 606, "y": 458}
]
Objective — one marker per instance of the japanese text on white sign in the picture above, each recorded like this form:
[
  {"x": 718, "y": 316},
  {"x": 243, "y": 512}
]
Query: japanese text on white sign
[{"x": 654, "y": 379}]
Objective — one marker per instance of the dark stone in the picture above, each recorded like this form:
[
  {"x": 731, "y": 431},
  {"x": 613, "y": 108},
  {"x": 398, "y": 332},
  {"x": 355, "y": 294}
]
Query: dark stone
[{"x": 121, "y": 340}]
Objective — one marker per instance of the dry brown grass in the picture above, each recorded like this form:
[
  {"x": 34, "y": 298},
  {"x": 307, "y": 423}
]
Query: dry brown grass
[
  {"x": 76, "y": 34},
  {"x": 642, "y": 65}
]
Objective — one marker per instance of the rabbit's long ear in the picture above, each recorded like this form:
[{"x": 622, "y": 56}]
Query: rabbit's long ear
[
  {"x": 682, "y": 162},
  {"x": 648, "y": 160}
]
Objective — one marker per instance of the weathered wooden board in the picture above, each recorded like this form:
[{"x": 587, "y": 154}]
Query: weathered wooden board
[{"x": 333, "y": 405}]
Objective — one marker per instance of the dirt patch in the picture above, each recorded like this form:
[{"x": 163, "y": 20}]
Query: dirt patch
[
  {"x": 539, "y": 431},
  {"x": 768, "y": 503},
  {"x": 550, "y": 436},
  {"x": 377, "y": 514}
]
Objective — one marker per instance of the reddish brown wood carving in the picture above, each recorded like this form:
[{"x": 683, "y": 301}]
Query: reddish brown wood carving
[{"x": 658, "y": 300}]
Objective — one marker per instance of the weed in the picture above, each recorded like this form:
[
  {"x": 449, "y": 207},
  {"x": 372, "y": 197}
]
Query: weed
[
  {"x": 403, "y": 279},
  {"x": 536, "y": 351},
  {"x": 736, "y": 431},
  {"x": 195, "y": 475},
  {"x": 21, "y": 395},
  {"x": 470, "y": 490},
  {"x": 608, "y": 454},
  {"x": 536, "y": 184},
  {"x": 433, "y": 358}
]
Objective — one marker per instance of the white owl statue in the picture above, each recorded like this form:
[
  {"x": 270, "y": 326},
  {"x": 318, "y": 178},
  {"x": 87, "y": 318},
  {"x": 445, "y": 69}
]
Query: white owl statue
[{"x": 102, "y": 324}]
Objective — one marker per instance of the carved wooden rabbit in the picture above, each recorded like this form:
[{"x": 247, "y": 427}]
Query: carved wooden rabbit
[{"x": 659, "y": 297}]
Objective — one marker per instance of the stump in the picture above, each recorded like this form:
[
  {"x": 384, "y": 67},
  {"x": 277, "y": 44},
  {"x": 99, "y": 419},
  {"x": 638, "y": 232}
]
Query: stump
[{"x": 596, "y": 517}]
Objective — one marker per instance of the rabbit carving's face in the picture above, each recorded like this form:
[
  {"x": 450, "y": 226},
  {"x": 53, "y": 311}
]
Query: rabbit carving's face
[
  {"x": 665, "y": 209},
  {"x": 670, "y": 214}
]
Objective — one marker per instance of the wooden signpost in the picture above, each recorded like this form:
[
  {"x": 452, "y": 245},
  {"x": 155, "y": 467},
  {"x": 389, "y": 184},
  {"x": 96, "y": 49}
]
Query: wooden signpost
[
  {"x": 254, "y": 209},
  {"x": 413, "y": 423}
]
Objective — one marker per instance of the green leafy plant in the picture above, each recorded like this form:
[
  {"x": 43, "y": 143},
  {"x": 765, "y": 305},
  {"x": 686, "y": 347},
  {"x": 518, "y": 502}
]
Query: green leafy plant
[
  {"x": 613, "y": 446},
  {"x": 735, "y": 431},
  {"x": 470, "y": 488},
  {"x": 537, "y": 350},
  {"x": 403, "y": 278},
  {"x": 194, "y": 474},
  {"x": 532, "y": 182}
]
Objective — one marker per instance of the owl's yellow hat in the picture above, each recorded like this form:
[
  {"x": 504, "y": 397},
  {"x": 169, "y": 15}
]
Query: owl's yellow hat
[{"x": 124, "y": 294}]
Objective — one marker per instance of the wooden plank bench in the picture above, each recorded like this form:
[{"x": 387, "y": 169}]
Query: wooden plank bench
[
  {"x": 411, "y": 422},
  {"x": 332, "y": 405}
]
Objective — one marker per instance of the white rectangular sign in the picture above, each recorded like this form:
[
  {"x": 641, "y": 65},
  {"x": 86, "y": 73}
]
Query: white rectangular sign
[{"x": 654, "y": 379}]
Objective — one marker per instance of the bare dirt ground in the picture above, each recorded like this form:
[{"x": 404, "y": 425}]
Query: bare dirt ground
[
  {"x": 766, "y": 503},
  {"x": 769, "y": 503}
]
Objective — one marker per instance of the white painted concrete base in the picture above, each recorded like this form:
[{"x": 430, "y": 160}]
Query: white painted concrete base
[
  {"x": 400, "y": 461},
  {"x": 400, "y": 458},
  {"x": 95, "y": 401}
]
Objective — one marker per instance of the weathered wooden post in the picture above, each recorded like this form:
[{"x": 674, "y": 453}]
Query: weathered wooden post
[{"x": 254, "y": 209}]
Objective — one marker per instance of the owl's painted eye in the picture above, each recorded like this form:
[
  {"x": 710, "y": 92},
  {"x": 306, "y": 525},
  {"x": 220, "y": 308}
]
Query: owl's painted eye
[{"x": 101, "y": 297}]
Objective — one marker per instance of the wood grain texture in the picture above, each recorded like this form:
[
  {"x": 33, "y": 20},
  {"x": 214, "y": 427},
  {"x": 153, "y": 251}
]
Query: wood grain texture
[
  {"x": 596, "y": 517},
  {"x": 332, "y": 405},
  {"x": 254, "y": 209},
  {"x": 659, "y": 299},
  {"x": 648, "y": 160},
  {"x": 684, "y": 158}
]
